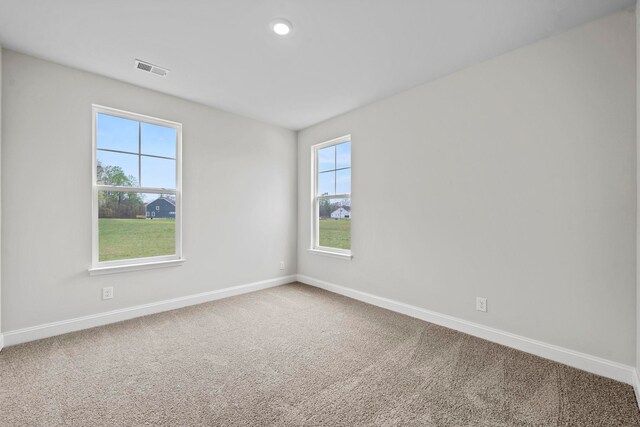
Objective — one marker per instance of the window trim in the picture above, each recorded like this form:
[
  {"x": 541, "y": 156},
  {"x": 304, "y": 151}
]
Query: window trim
[
  {"x": 116, "y": 266},
  {"x": 314, "y": 237}
]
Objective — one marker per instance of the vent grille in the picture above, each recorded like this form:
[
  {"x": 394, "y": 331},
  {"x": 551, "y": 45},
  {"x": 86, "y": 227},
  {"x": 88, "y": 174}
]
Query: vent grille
[
  {"x": 150, "y": 68},
  {"x": 159, "y": 71},
  {"x": 143, "y": 66}
]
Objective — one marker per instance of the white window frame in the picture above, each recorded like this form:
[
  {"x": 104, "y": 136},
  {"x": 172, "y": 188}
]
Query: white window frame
[
  {"x": 116, "y": 266},
  {"x": 315, "y": 201}
]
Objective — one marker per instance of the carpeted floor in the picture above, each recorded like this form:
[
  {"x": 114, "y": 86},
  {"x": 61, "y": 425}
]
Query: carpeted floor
[{"x": 294, "y": 355}]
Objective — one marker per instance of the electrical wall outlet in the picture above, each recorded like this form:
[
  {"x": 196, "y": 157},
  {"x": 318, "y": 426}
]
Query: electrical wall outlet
[
  {"x": 281, "y": 265},
  {"x": 481, "y": 304},
  {"x": 107, "y": 293}
]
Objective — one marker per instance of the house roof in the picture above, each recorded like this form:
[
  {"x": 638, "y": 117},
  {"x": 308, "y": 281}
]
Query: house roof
[{"x": 170, "y": 199}]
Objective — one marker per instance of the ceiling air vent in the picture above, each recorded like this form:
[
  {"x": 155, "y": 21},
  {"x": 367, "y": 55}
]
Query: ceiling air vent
[{"x": 150, "y": 68}]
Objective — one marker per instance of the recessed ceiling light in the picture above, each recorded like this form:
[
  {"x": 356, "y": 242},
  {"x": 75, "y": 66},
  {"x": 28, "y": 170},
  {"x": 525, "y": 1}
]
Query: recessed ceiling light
[{"x": 281, "y": 27}]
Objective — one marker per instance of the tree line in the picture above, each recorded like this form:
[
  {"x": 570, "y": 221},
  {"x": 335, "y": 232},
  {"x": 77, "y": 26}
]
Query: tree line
[{"x": 118, "y": 204}]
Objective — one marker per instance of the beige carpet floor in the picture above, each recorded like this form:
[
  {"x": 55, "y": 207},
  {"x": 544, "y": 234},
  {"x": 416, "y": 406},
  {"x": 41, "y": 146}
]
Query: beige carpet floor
[{"x": 292, "y": 356}]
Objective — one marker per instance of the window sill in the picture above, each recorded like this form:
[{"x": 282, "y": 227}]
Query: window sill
[
  {"x": 112, "y": 269},
  {"x": 340, "y": 255}
]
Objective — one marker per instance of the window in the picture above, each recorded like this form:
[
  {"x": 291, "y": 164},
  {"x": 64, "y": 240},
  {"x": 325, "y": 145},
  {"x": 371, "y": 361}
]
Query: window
[
  {"x": 331, "y": 177},
  {"x": 136, "y": 169}
]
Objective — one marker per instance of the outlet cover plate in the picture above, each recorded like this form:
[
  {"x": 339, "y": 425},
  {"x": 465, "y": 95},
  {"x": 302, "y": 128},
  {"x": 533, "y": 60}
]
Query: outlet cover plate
[
  {"x": 481, "y": 304},
  {"x": 107, "y": 293}
]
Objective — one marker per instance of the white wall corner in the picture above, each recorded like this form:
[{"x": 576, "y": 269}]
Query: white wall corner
[
  {"x": 586, "y": 362},
  {"x": 636, "y": 379},
  {"x": 1, "y": 337},
  {"x": 636, "y": 386}
]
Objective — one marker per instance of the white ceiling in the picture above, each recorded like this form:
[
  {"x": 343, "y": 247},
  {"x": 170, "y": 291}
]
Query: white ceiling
[{"x": 341, "y": 54}]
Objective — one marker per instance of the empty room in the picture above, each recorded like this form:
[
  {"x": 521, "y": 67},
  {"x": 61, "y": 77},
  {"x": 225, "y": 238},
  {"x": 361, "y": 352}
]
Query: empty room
[{"x": 178, "y": 186}]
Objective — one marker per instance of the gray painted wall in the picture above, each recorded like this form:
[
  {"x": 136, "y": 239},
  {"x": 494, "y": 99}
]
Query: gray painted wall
[
  {"x": 637, "y": 189},
  {"x": 517, "y": 179},
  {"x": 239, "y": 204},
  {"x": 1, "y": 195}
]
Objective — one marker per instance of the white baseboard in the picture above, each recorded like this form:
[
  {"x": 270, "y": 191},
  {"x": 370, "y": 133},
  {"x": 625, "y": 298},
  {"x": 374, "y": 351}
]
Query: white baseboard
[
  {"x": 32, "y": 333},
  {"x": 636, "y": 385},
  {"x": 586, "y": 362}
]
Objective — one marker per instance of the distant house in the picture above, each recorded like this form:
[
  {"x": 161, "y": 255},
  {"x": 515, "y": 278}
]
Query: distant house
[
  {"x": 162, "y": 207},
  {"x": 343, "y": 212}
]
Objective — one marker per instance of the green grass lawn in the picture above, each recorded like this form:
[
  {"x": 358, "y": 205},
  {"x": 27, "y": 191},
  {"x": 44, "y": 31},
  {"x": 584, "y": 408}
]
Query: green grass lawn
[
  {"x": 335, "y": 233},
  {"x": 136, "y": 238}
]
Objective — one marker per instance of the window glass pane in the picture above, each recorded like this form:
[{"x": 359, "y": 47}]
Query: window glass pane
[
  {"x": 327, "y": 159},
  {"x": 116, "y": 168},
  {"x": 158, "y": 140},
  {"x": 326, "y": 183},
  {"x": 334, "y": 223},
  {"x": 115, "y": 133},
  {"x": 158, "y": 173},
  {"x": 343, "y": 181},
  {"x": 343, "y": 155},
  {"x": 127, "y": 230}
]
